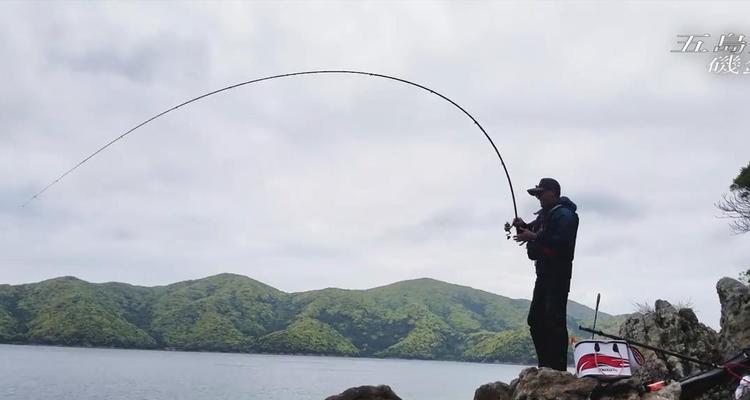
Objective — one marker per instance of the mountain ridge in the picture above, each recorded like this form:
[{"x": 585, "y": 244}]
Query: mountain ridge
[
  {"x": 420, "y": 318},
  {"x": 232, "y": 274}
]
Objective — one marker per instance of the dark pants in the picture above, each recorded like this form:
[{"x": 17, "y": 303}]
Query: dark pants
[{"x": 547, "y": 323}]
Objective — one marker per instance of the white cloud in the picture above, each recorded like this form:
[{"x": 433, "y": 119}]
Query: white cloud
[{"x": 354, "y": 182}]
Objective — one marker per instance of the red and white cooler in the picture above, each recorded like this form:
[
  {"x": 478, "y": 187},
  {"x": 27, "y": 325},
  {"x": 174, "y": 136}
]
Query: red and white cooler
[{"x": 606, "y": 359}]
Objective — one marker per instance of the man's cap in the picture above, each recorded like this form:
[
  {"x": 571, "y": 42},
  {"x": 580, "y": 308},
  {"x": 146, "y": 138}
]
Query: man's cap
[{"x": 545, "y": 184}]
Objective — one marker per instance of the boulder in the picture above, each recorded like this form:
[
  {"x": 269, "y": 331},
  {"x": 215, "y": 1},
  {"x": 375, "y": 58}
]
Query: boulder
[
  {"x": 735, "y": 316},
  {"x": 381, "y": 392},
  {"x": 549, "y": 384},
  {"x": 545, "y": 383},
  {"x": 675, "y": 330},
  {"x": 493, "y": 391}
]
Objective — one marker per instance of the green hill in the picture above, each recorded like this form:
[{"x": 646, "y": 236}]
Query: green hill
[
  {"x": 422, "y": 318},
  {"x": 222, "y": 313}
]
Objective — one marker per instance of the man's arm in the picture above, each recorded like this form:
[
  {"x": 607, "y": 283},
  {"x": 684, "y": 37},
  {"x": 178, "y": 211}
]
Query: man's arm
[{"x": 519, "y": 222}]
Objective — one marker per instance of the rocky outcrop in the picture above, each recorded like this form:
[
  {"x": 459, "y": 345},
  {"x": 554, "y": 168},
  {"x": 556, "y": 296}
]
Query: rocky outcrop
[
  {"x": 539, "y": 384},
  {"x": 735, "y": 316},
  {"x": 673, "y": 329},
  {"x": 381, "y": 392},
  {"x": 548, "y": 384},
  {"x": 493, "y": 391},
  {"x": 545, "y": 383},
  {"x": 665, "y": 327}
]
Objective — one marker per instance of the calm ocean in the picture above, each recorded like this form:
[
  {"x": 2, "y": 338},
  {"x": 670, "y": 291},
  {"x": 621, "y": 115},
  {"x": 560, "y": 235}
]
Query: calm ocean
[{"x": 41, "y": 372}]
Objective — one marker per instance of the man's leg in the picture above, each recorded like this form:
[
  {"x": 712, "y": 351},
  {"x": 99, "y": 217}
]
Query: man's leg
[
  {"x": 556, "y": 340},
  {"x": 536, "y": 323}
]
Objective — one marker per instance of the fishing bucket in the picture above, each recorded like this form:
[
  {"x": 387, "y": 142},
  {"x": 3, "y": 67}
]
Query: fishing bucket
[{"x": 606, "y": 359}]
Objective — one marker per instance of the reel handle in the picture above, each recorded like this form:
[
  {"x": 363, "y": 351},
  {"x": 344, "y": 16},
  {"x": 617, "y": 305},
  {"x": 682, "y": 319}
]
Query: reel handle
[{"x": 507, "y": 230}]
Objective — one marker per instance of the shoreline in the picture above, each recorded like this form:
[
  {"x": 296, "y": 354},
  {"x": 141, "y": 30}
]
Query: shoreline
[{"x": 263, "y": 354}]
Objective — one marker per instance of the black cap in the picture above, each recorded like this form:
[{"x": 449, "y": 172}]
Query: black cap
[{"x": 545, "y": 184}]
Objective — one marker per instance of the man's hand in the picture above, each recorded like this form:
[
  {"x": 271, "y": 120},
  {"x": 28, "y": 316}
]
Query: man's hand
[{"x": 524, "y": 235}]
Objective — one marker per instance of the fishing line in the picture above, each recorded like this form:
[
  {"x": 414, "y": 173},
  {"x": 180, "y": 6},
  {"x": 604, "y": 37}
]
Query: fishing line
[{"x": 237, "y": 85}]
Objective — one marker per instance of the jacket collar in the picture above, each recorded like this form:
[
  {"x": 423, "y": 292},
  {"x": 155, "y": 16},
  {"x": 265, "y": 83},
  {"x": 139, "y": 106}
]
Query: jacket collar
[{"x": 553, "y": 208}]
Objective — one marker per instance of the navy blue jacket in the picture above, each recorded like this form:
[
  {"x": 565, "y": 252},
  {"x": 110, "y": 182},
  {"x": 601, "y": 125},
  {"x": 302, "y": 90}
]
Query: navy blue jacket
[{"x": 554, "y": 247}]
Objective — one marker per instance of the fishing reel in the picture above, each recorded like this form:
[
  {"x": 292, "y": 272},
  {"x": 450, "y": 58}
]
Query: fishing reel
[{"x": 508, "y": 226}]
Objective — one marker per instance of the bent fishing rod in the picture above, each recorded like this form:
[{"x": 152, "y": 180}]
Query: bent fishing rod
[{"x": 315, "y": 72}]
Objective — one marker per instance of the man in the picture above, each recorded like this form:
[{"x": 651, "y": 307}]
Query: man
[{"x": 550, "y": 241}]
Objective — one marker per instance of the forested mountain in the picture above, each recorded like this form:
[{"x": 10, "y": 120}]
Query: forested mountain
[{"x": 422, "y": 318}]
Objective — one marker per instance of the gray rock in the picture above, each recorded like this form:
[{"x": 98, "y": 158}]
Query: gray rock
[
  {"x": 626, "y": 389},
  {"x": 549, "y": 384},
  {"x": 381, "y": 392},
  {"x": 493, "y": 391},
  {"x": 735, "y": 316},
  {"x": 675, "y": 330},
  {"x": 546, "y": 383}
]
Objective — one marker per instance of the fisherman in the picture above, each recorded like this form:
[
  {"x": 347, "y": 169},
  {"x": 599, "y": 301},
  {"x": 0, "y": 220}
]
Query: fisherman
[{"x": 550, "y": 241}]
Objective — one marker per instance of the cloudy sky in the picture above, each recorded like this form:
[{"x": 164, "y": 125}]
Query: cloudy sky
[{"x": 354, "y": 182}]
